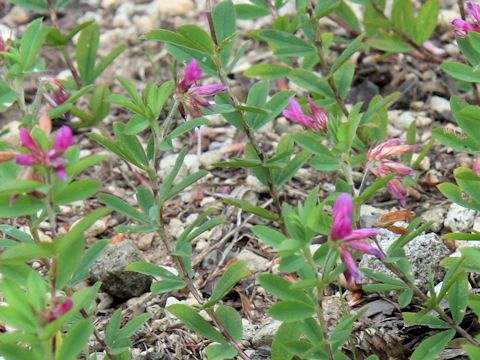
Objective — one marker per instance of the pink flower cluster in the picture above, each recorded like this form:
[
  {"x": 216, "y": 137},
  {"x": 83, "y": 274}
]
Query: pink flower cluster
[
  {"x": 318, "y": 121},
  {"x": 49, "y": 158},
  {"x": 351, "y": 239},
  {"x": 381, "y": 166},
  {"x": 59, "y": 310},
  {"x": 194, "y": 93},
  {"x": 463, "y": 27}
]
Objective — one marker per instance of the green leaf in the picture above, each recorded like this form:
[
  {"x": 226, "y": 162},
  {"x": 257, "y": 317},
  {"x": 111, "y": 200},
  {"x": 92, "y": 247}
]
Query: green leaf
[
  {"x": 430, "y": 348},
  {"x": 268, "y": 71},
  {"x": 244, "y": 205},
  {"x": 287, "y": 332},
  {"x": 311, "y": 82},
  {"x": 231, "y": 320},
  {"x": 7, "y": 95},
  {"x": 107, "y": 60},
  {"x": 424, "y": 319},
  {"x": 458, "y": 298},
  {"x": 426, "y": 21},
  {"x": 76, "y": 339},
  {"x": 196, "y": 35},
  {"x": 195, "y": 322},
  {"x": 77, "y": 190},
  {"x": 182, "y": 185},
  {"x": 167, "y": 285},
  {"x": 133, "y": 325},
  {"x": 461, "y": 71},
  {"x": 372, "y": 189},
  {"x": 325, "y": 7},
  {"x": 32, "y": 42},
  {"x": 23, "y": 205},
  {"x": 352, "y": 48},
  {"x": 18, "y": 186},
  {"x": 402, "y": 17},
  {"x": 457, "y": 142},
  {"x": 235, "y": 272},
  {"x": 87, "y": 53},
  {"x": 123, "y": 207},
  {"x": 34, "y": 5},
  {"x": 249, "y": 12},
  {"x": 269, "y": 236},
  {"x": 290, "y": 311},
  {"x": 454, "y": 193},
  {"x": 286, "y": 44},
  {"x": 220, "y": 351},
  {"x": 281, "y": 288}
]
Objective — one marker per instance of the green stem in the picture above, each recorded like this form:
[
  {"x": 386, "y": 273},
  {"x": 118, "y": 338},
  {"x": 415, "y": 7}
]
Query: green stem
[
  {"x": 71, "y": 67},
  {"x": 272, "y": 187},
  {"x": 398, "y": 272},
  {"x": 19, "y": 85},
  {"x": 323, "y": 62},
  {"x": 319, "y": 292},
  {"x": 197, "y": 295}
]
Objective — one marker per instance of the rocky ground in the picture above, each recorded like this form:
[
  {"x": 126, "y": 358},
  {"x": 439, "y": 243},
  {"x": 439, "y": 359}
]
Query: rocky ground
[{"x": 425, "y": 93}]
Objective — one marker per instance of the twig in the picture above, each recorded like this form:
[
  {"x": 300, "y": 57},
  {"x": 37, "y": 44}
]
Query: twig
[
  {"x": 248, "y": 130},
  {"x": 323, "y": 62},
  {"x": 398, "y": 272},
  {"x": 197, "y": 295},
  {"x": 461, "y": 7},
  {"x": 426, "y": 54}
]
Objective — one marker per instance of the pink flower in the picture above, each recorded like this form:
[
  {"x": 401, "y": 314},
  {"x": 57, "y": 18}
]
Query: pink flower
[
  {"x": 398, "y": 191},
  {"x": 193, "y": 73},
  {"x": 391, "y": 147},
  {"x": 59, "y": 310},
  {"x": 350, "y": 239},
  {"x": 58, "y": 96},
  {"x": 51, "y": 158},
  {"x": 194, "y": 95},
  {"x": 476, "y": 165},
  {"x": 318, "y": 121},
  {"x": 462, "y": 27},
  {"x": 381, "y": 166}
]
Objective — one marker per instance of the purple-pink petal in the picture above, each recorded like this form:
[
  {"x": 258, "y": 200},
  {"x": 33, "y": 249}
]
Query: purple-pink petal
[
  {"x": 342, "y": 217},
  {"x": 207, "y": 90},
  {"x": 25, "y": 159},
  {"x": 474, "y": 11},
  {"x": 360, "y": 234},
  {"x": 27, "y": 140},
  {"x": 352, "y": 268},
  {"x": 398, "y": 191},
  {"x": 192, "y": 73},
  {"x": 296, "y": 114},
  {"x": 399, "y": 168},
  {"x": 366, "y": 248},
  {"x": 61, "y": 172},
  {"x": 63, "y": 140}
]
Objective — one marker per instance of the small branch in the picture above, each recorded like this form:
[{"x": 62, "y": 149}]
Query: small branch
[
  {"x": 197, "y": 295},
  {"x": 71, "y": 67},
  {"x": 426, "y": 54},
  {"x": 248, "y": 130},
  {"x": 476, "y": 94},
  {"x": 398, "y": 272},
  {"x": 461, "y": 7},
  {"x": 319, "y": 309},
  {"x": 323, "y": 62}
]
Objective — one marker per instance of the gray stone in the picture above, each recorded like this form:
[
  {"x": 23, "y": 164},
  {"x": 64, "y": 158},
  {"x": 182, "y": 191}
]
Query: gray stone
[
  {"x": 439, "y": 104},
  {"x": 424, "y": 254},
  {"x": 264, "y": 335},
  {"x": 437, "y": 215},
  {"x": 404, "y": 120},
  {"x": 110, "y": 270},
  {"x": 459, "y": 219},
  {"x": 253, "y": 261}
]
